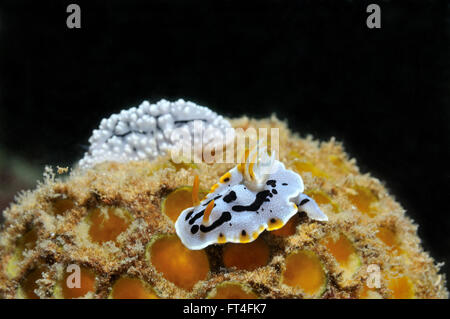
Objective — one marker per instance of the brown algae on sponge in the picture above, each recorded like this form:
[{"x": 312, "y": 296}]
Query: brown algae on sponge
[
  {"x": 87, "y": 285},
  {"x": 117, "y": 222}
]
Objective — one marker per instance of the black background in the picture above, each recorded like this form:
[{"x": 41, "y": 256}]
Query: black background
[{"x": 384, "y": 92}]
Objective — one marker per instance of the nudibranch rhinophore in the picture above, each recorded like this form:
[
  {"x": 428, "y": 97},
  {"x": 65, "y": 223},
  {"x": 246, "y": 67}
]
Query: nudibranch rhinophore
[
  {"x": 150, "y": 130},
  {"x": 250, "y": 198}
]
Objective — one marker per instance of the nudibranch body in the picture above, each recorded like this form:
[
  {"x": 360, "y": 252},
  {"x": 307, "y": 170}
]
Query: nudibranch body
[{"x": 250, "y": 198}]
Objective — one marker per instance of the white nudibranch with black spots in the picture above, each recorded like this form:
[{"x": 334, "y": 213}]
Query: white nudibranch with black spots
[{"x": 256, "y": 195}]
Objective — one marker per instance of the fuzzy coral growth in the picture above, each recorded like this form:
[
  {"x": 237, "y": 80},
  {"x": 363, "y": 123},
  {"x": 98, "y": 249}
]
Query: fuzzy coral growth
[{"x": 116, "y": 222}]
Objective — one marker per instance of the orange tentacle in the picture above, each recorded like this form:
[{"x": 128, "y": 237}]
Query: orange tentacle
[
  {"x": 195, "y": 187},
  {"x": 208, "y": 211}
]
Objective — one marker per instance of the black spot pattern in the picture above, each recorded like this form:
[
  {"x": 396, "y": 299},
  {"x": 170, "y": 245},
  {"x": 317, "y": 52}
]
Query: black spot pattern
[
  {"x": 303, "y": 202},
  {"x": 230, "y": 197},
  {"x": 215, "y": 198},
  {"x": 226, "y": 216},
  {"x": 196, "y": 216},
  {"x": 272, "y": 183},
  {"x": 261, "y": 197},
  {"x": 188, "y": 215},
  {"x": 194, "y": 229}
]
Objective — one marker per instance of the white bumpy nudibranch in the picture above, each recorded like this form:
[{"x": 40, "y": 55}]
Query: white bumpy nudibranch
[
  {"x": 147, "y": 131},
  {"x": 255, "y": 195}
]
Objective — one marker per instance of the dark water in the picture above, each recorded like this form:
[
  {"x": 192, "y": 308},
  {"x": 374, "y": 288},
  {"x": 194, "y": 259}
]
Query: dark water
[{"x": 384, "y": 93}]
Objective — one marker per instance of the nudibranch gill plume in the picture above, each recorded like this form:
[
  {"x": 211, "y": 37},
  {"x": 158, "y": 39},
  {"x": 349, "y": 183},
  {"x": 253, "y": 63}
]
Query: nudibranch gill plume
[{"x": 256, "y": 195}]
